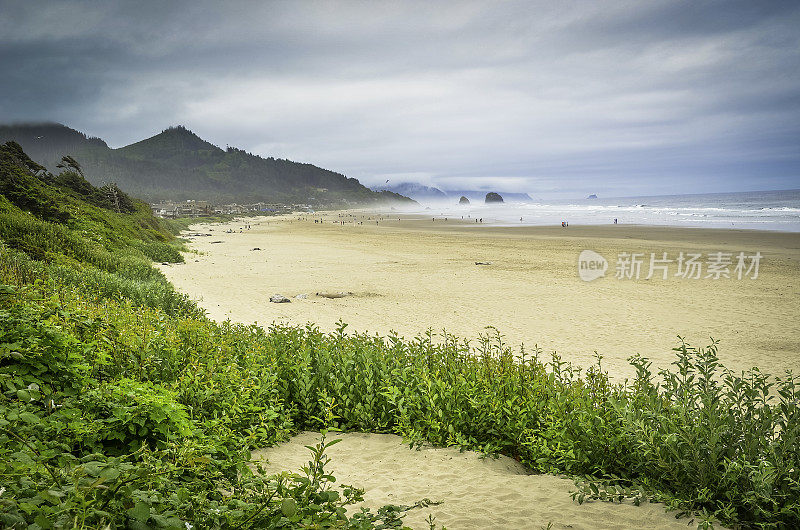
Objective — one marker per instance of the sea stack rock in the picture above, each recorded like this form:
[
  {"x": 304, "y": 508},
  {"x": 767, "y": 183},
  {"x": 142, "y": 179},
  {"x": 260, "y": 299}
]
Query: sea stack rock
[
  {"x": 463, "y": 200},
  {"x": 493, "y": 197}
]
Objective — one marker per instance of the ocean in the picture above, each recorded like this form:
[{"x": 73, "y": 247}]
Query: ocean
[{"x": 761, "y": 210}]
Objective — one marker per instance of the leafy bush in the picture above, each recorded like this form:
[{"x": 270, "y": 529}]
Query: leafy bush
[
  {"x": 35, "y": 351},
  {"x": 127, "y": 414}
]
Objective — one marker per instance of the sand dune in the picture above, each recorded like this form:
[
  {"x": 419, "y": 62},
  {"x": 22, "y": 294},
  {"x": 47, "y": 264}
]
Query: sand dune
[{"x": 475, "y": 493}]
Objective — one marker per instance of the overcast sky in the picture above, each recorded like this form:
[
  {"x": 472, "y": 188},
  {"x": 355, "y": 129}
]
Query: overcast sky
[{"x": 553, "y": 98}]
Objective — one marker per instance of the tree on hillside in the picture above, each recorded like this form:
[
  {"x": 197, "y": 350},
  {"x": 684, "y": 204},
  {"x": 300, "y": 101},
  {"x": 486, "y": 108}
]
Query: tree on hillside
[
  {"x": 117, "y": 199},
  {"x": 14, "y": 150},
  {"x": 67, "y": 162}
]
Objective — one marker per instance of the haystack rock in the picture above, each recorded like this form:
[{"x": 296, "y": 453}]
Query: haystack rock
[
  {"x": 463, "y": 200},
  {"x": 493, "y": 197}
]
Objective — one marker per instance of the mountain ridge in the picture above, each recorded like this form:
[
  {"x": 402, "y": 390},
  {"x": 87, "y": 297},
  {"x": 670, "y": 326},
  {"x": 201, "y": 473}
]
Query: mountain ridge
[
  {"x": 177, "y": 164},
  {"x": 414, "y": 190}
]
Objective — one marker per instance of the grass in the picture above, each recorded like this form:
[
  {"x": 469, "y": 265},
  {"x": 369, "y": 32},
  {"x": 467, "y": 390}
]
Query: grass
[{"x": 124, "y": 406}]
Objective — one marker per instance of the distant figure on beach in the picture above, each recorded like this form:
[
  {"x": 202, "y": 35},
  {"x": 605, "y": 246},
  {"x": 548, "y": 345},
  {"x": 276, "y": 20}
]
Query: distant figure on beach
[
  {"x": 615, "y": 220},
  {"x": 563, "y": 224}
]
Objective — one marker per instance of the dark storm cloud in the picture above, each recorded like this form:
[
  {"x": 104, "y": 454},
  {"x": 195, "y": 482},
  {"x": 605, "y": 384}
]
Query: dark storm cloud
[{"x": 615, "y": 98}]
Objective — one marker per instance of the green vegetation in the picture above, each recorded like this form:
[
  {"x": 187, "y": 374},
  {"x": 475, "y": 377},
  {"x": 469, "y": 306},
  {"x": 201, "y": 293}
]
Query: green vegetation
[
  {"x": 123, "y": 406},
  {"x": 177, "y": 165}
]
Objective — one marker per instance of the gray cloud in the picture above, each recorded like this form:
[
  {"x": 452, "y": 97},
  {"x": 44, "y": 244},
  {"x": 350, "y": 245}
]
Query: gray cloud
[{"x": 550, "y": 98}]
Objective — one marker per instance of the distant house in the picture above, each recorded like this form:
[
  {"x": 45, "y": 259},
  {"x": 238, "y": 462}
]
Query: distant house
[
  {"x": 231, "y": 209},
  {"x": 183, "y": 209},
  {"x": 165, "y": 210}
]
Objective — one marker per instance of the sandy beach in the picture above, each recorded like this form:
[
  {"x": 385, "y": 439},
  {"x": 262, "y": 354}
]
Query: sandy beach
[
  {"x": 474, "y": 492},
  {"x": 410, "y": 275}
]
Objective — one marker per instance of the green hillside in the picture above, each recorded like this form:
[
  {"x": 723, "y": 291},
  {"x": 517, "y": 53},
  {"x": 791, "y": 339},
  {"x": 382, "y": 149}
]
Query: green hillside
[{"x": 178, "y": 165}]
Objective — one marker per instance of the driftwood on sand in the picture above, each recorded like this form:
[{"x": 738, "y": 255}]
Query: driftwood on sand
[{"x": 334, "y": 295}]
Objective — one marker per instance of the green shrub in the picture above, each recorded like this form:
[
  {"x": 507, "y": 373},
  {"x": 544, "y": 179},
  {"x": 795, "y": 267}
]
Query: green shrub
[
  {"x": 35, "y": 350},
  {"x": 126, "y": 414}
]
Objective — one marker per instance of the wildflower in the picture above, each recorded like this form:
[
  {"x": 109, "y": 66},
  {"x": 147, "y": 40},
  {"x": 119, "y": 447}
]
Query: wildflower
[{"x": 188, "y": 526}]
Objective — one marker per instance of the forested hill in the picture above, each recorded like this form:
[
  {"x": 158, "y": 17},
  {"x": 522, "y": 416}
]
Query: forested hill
[{"x": 177, "y": 164}]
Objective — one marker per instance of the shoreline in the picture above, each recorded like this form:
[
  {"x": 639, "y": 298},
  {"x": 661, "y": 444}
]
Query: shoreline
[{"x": 452, "y": 222}]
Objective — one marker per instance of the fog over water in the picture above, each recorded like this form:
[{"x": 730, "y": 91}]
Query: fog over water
[{"x": 776, "y": 210}]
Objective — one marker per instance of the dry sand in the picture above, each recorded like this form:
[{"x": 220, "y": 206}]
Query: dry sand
[
  {"x": 475, "y": 493},
  {"x": 411, "y": 275}
]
